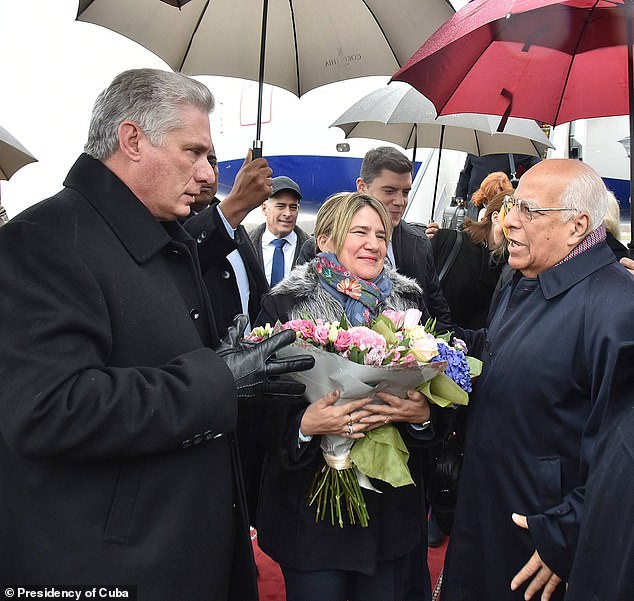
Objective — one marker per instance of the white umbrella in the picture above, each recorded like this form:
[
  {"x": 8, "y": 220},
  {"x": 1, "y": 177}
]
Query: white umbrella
[
  {"x": 298, "y": 45},
  {"x": 400, "y": 114},
  {"x": 13, "y": 155}
]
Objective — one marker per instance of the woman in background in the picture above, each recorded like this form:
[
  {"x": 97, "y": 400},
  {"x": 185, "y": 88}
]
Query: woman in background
[
  {"x": 491, "y": 186},
  {"x": 470, "y": 280}
]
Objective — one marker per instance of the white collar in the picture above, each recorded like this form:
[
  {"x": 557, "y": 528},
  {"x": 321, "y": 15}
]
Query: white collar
[{"x": 268, "y": 237}]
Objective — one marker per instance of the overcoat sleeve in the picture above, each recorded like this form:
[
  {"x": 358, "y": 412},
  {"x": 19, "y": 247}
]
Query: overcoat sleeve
[
  {"x": 555, "y": 531},
  {"x": 463, "y": 180},
  {"x": 63, "y": 392},
  {"x": 280, "y": 426}
]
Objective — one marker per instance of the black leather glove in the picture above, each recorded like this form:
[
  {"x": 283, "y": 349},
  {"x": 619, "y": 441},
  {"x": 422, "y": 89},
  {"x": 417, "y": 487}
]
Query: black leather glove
[{"x": 252, "y": 365}]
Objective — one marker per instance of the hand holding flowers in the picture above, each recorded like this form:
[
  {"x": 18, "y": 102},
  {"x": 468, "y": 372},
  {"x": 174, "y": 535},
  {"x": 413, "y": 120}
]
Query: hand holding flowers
[
  {"x": 324, "y": 416},
  {"x": 384, "y": 361}
]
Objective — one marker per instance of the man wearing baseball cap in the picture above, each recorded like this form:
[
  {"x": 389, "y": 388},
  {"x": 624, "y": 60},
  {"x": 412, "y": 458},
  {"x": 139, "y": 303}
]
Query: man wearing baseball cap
[{"x": 278, "y": 241}]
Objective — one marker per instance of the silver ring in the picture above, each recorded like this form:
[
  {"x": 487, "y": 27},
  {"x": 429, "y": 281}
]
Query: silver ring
[{"x": 350, "y": 429}]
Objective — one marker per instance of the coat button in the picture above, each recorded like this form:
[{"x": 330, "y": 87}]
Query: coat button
[
  {"x": 209, "y": 434},
  {"x": 225, "y": 275},
  {"x": 201, "y": 236},
  {"x": 194, "y": 314},
  {"x": 186, "y": 444},
  {"x": 198, "y": 438}
]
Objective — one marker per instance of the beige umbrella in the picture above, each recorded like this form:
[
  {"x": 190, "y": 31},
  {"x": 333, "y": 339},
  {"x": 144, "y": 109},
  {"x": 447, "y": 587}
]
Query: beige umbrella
[
  {"x": 13, "y": 155},
  {"x": 297, "y": 45}
]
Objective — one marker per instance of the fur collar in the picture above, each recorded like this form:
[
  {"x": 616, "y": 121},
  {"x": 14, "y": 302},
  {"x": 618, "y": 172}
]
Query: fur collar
[{"x": 312, "y": 301}]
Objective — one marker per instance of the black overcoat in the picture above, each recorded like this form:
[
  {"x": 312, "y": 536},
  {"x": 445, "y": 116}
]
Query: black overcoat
[
  {"x": 533, "y": 421},
  {"x": 214, "y": 244},
  {"x": 117, "y": 461}
]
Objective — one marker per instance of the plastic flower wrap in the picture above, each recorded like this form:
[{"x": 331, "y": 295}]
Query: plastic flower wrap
[{"x": 394, "y": 354}]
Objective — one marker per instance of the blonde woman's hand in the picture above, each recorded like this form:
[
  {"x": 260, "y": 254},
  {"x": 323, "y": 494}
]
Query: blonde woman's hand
[
  {"x": 324, "y": 417},
  {"x": 413, "y": 409}
]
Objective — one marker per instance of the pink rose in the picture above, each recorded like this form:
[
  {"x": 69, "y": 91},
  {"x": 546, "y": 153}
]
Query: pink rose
[
  {"x": 365, "y": 338},
  {"x": 396, "y": 317},
  {"x": 321, "y": 334},
  {"x": 293, "y": 324},
  {"x": 343, "y": 340},
  {"x": 306, "y": 329}
]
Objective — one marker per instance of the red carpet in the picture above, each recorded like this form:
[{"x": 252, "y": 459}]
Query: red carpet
[{"x": 271, "y": 583}]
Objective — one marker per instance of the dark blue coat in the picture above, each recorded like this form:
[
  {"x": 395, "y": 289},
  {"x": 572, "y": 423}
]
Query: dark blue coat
[
  {"x": 533, "y": 420},
  {"x": 604, "y": 563}
]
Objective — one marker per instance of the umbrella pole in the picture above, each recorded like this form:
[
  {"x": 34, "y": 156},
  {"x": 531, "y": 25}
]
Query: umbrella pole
[
  {"x": 630, "y": 91},
  {"x": 433, "y": 201},
  {"x": 257, "y": 144},
  {"x": 414, "y": 151}
]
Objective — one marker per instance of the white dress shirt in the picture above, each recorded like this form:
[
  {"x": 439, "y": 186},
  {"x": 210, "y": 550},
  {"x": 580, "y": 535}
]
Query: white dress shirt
[
  {"x": 268, "y": 248},
  {"x": 240, "y": 271}
]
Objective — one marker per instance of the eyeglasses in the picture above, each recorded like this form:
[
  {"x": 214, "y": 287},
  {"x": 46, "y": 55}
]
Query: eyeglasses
[{"x": 524, "y": 208}]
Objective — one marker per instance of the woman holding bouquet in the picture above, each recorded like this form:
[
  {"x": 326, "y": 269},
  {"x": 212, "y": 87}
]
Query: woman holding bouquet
[{"x": 320, "y": 560}]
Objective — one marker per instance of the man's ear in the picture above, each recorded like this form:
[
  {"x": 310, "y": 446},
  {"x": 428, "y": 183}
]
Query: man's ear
[
  {"x": 361, "y": 185},
  {"x": 130, "y": 135},
  {"x": 581, "y": 228}
]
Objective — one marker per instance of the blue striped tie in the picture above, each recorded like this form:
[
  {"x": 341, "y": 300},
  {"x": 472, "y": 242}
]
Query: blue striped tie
[{"x": 277, "y": 269}]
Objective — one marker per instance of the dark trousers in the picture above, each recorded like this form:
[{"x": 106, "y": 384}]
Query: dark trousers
[{"x": 386, "y": 584}]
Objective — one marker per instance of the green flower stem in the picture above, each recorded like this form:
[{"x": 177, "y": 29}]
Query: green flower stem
[{"x": 329, "y": 488}]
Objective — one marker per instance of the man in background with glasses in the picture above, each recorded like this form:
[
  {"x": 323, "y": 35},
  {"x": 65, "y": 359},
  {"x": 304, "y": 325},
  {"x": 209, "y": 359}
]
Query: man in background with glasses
[{"x": 548, "y": 357}]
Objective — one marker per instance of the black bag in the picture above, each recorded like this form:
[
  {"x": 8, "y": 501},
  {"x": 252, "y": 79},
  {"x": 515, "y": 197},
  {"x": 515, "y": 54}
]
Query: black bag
[{"x": 443, "y": 482}]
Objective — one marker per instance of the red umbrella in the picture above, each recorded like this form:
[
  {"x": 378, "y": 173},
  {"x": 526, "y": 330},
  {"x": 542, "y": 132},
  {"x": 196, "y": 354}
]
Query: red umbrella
[{"x": 550, "y": 60}]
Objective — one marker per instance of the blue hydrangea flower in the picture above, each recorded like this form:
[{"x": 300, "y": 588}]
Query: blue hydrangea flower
[{"x": 457, "y": 368}]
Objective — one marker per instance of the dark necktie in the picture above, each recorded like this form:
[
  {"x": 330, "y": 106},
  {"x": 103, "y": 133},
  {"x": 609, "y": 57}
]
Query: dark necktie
[{"x": 277, "y": 270}]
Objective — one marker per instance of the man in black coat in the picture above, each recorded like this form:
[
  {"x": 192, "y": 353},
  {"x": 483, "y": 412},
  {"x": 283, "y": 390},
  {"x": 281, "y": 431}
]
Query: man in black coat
[
  {"x": 235, "y": 282},
  {"x": 117, "y": 458},
  {"x": 233, "y": 275}
]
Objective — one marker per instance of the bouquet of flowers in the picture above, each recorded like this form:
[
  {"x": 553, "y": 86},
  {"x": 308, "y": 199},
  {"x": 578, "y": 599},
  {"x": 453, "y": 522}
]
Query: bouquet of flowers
[{"x": 394, "y": 354}]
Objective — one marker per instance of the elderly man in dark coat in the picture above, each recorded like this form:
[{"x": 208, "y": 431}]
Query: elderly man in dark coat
[
  {"x": 548, "y": 357},
  {"x": 117, "y": 458},
  {"x": 604, "y": 563}
]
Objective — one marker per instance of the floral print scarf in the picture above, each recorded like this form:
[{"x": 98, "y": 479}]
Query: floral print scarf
[{"x": 360, "y": 298}]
